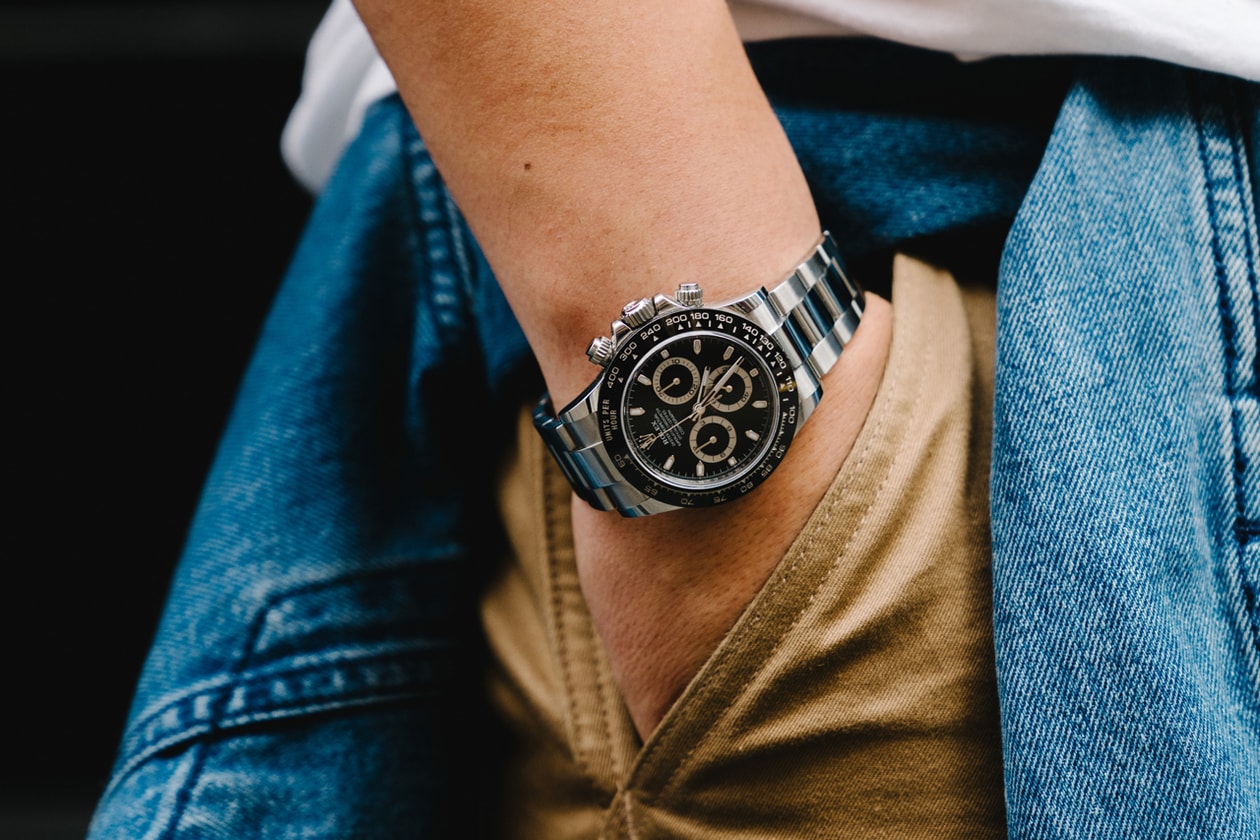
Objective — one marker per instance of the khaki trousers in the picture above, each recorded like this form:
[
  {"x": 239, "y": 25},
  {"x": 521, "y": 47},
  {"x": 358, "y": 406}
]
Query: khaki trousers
[{"x": 855, "y": 697}]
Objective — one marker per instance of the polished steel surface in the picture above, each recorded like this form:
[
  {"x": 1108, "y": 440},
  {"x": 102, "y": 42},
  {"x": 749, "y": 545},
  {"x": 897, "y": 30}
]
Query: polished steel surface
[{"x": 812, "y": 314}]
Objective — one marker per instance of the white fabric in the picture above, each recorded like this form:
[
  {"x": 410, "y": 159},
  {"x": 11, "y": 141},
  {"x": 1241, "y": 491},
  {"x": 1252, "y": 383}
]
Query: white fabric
[
  {"x": 1220, "y": 35},
  {"x": 342, "y": 77},
  {"x": 344, "y": 74}
]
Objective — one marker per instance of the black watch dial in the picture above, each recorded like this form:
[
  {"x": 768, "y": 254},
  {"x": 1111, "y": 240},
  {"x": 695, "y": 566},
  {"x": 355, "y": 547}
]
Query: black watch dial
[{"x": 699, "y": 407}]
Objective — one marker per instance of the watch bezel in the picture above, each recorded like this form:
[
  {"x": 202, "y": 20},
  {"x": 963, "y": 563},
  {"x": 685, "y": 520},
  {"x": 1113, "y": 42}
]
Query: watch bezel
[{"x": 671, "y": 326}]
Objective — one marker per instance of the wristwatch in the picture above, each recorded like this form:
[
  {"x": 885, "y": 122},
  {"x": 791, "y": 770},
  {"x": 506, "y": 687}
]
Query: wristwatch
[{"x": 696, "y": 405}]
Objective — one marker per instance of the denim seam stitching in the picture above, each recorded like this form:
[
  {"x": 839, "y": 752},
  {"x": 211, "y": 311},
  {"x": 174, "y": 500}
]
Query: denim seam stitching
[
  {"x": 227, "y": 687},
  {"x": 207, "y": 687},
  {"x": 184, "y": 795},
  {"x": 303, "y": 702},
  {"x": 443, "y": 261},
  {"x": 1242, "y": 151},
  {"x": 1247, "y": 530},
  {"x": 348, "y": 701},
  {"x": 459, "y": 249},
  {"x": 1206, "y": 123}
]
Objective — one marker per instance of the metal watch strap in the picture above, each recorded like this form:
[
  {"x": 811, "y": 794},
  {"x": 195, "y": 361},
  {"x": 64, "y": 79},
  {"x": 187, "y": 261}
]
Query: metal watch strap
[
  {"x": 812, "y": 313},
  {"x": 818, "y": 308}
]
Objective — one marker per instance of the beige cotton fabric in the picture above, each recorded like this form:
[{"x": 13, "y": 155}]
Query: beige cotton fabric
[{"x": 855, "y": 697}]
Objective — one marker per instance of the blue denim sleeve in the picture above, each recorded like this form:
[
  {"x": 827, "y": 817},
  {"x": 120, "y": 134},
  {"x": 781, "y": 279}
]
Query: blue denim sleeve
[{"x": 308, "y": 676}]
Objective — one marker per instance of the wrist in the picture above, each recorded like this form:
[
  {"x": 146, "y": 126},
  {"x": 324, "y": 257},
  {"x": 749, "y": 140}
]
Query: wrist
[
  {"x": 662, "y": 611},
  {"x": 698, "y": 401},
  {"x": 590, "y": 279}
]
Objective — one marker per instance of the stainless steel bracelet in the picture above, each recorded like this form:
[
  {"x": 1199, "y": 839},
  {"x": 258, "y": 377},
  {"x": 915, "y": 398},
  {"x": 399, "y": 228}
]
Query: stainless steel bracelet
[{"x": 812, "y": 313}]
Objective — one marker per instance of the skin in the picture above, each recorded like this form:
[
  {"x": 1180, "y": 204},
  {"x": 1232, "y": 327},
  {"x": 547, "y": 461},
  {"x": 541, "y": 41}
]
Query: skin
[{"x": 603, "y": 151}]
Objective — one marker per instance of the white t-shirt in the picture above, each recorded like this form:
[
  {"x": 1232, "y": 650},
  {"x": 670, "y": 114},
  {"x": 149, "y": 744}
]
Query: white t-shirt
[{"x": 344, "y": 74}]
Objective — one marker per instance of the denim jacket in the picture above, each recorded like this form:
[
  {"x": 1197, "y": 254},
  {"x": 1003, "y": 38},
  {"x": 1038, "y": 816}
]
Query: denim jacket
[{"x": 314, "y": 674}]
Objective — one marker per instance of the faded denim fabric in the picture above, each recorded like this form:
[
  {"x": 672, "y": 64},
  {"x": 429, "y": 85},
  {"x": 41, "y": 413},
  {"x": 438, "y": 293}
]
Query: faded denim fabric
[
  {"x": 314, "y": 671},
  {"x": 315, "y": 674},
  {"x": 1126, "y": 473}
]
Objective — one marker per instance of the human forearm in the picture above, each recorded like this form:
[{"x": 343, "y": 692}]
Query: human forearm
[{"x": 601, "y": 152}]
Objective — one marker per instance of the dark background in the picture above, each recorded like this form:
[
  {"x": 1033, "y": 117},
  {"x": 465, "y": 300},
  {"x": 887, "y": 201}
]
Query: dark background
[{"x": 148, "y": 219}]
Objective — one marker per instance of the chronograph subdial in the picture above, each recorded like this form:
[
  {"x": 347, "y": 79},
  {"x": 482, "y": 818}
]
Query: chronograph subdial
[
  {"x": 736, "y": 391},
  {"x": 712, "y": 439},
  {"x": 676, "y": 380}
]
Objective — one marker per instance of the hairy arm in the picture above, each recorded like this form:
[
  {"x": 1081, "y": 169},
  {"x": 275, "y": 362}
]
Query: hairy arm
[{"x": 603, "y": 151}]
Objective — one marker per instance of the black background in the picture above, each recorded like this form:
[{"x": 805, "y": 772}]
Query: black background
[{"x": 148, "y": 219}]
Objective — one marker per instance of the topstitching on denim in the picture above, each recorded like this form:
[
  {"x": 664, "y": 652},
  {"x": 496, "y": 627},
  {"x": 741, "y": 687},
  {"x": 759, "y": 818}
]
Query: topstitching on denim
[
  {"x": 448, "y": 262},
  {"x": 1232, "y": 215},
  {"x": 304, "y": 654},
  {"x": 1126, "y": 659},
  {"x": 325, "y": 568}
]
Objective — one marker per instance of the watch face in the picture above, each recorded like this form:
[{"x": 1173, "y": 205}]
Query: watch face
[{"x": 698, "y": 407}]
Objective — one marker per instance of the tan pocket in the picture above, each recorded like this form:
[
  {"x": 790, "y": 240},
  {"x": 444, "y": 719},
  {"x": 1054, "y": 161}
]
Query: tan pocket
[{"x": 855, "y": 693}]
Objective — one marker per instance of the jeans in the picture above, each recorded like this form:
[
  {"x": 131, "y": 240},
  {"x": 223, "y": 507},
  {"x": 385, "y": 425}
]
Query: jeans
[
  {"x": 1126, "y": 479},
  {"x": 315, "y": 673}
]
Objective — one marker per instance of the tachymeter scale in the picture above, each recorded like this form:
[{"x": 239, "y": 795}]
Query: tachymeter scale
[{"x": 720, "y": 430}]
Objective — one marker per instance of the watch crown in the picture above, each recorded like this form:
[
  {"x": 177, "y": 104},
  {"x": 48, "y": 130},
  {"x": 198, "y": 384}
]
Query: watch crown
[
  {"x": 638, "y": 312},
  {"x": 690, "y": 294},
  {"x": 601, "y": 350}
]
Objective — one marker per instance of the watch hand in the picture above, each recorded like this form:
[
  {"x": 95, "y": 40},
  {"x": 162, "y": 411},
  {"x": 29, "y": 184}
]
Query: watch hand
[
  {"x": 702, "y": 402},
  {"x": 646, "y": 441},
  {"x": 721, "y": 383},
  {"x": 704, "y": 380}
]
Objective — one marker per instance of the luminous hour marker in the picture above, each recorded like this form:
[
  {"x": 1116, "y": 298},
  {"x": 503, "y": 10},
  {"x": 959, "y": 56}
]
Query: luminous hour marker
[
  {"x": 728, "y": 353},
  {"x": 751, "y": 435},
  {"x": 699, "y": 469},
  {"x": 669, "y": 463},
  {"x": 664, "y": 354},
  {"x": 643, "y": 380},
  {"x": 638, "y": 411},
  {"x": 732, "y": 461},
  {"x": 760, "y": 404},
  {"x": 695, "y": 347},
  {"x": 752, "y": 372}
]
